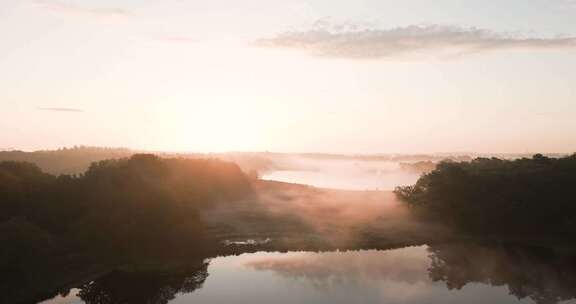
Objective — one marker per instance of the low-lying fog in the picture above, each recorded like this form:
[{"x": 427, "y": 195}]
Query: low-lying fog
[{"x": 348, "y": 174}]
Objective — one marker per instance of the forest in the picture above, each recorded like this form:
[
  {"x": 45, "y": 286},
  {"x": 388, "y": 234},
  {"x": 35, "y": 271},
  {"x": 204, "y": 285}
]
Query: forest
[
  {"x": 149, "y": 212},
  {"x": 130, "y": 209},
  {"x": 528, "y": 197}
]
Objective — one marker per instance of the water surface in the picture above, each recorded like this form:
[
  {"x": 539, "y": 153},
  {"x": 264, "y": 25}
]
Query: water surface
[{"x": 457, "y": 273}]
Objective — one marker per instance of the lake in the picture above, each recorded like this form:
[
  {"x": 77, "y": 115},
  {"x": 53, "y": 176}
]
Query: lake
[{"x": 451, "y": 273}]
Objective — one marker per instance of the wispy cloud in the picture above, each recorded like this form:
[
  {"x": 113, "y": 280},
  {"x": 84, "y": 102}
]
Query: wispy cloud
[
  {"x": 61, "y": 109},
  {"x": 61, "y": 7},
  {"x": 355, "y": 42}
]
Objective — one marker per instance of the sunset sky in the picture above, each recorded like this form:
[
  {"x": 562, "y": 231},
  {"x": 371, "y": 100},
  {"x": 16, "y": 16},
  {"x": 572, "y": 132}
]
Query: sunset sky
[{"x": 372, "y": 76}]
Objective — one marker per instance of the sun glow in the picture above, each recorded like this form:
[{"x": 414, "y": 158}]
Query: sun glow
[{"x": 214, "y": 127}]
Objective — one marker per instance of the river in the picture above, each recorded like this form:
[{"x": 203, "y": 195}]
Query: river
[{"x": 452, "y": 273}]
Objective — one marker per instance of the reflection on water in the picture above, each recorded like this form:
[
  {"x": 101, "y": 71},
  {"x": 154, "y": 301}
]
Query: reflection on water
[
  {"x": 542, "y": 275},
  {"x": 135, "y": 287},
  {"x": 451, "y": 273}
]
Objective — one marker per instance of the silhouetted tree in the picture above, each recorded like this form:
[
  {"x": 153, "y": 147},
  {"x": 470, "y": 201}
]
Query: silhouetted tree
[
  {"x": 124, "y": 210},
  {"x": 489, "y": 195}
]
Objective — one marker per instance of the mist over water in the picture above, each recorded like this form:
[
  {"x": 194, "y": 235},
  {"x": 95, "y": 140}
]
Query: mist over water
[
  {"x": 411, "y": 275},
  {"x": 344, "y": 174},
  {"x": 287, "y": 152},
  {"x": 369, "y": 249}
]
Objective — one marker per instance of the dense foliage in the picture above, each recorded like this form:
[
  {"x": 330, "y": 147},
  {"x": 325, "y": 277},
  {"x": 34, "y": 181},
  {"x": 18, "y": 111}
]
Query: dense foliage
[
  {"x": 119, "y": 210},
  {"x": 528, "y": 196}
]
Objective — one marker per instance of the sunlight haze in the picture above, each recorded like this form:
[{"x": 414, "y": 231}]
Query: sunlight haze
[
  {"x": 287, "y": 151},
  {"x": 325, "y": 76}
]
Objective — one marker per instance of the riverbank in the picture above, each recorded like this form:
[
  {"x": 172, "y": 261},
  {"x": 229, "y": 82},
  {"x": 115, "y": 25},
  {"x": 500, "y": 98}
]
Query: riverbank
[{"x": 281, "y": 217}]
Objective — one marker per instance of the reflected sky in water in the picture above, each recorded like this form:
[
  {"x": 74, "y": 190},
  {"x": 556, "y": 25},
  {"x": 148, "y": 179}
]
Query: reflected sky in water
[{"x": 408, "y": 275}]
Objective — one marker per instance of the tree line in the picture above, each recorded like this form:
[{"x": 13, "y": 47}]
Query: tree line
[
  {"x": 118, "y": 211},
  {"x": 529, "y": 197}
]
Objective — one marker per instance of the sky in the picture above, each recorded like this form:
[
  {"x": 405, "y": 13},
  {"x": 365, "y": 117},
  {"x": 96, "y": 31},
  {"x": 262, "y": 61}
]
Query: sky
[{"x": 363, "y": 76}]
